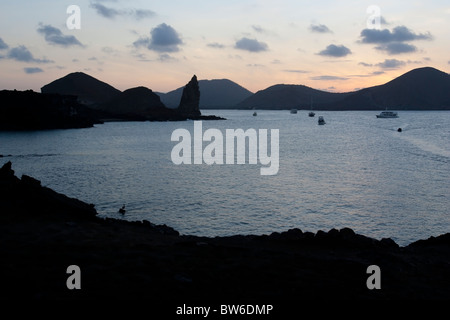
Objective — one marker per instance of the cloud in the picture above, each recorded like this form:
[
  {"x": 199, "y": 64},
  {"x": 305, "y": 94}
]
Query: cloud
[
  {"x": 397, "y": 48},
  {"x": 328, "y": 78},
  {"x": 398, "y": 34},
  {"x": 319, "y": 28},
  {"x": 22, "y": 54},
  {"x": 366, "y": 64},
  {"x": 391, "y": 64},
  {"x": 32, "y": 70},
  {"x": 251, "y": 45},
  {"x": 166, "y": 58},
  {"x": 104, "y": 11},
  {"x": 296, "y": 71},
  {"x": 109, "y": 50},
  {"x": 335, "y": 51},
  {"x": 216, "y": 45},
  {"x": 111, "y": 13},
  {"x": 3, "y": 45},
  {"x": 139, "y": 14},
  {"x": 163, "y": 38},
  {"x": 258, "y": 29},
  {"x": 54, "y": 36},
  {"x": 375, "y": 73}
]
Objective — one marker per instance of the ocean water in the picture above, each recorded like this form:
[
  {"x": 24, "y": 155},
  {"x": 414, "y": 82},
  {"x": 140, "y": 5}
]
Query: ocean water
[{"x": 356, "y": 171}]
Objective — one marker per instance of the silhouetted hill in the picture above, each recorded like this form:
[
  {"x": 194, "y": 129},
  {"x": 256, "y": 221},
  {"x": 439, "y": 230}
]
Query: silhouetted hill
[
  {"x": 419, "y": 89},
  {"x": 89, "y": 90},
  {"x": 289, "y": 96},
  {"x": 29, "y": 110},
  {"x": 135, "y": 104},
  {"x": 216, "y": 94},
  {"x": 138, "y": 103}
]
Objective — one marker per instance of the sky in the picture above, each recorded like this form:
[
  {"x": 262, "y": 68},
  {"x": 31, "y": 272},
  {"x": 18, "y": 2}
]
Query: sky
[{"x": 337, "y": 46}]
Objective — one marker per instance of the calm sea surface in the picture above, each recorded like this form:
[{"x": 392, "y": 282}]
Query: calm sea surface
[{"x": 356, "y": 171}]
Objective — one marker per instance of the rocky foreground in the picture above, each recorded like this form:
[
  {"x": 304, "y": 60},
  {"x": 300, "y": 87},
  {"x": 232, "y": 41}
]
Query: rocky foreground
[{"x": 42, "y": 233}]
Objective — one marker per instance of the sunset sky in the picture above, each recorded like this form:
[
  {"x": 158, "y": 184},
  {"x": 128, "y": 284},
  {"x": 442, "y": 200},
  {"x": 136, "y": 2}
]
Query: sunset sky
[{"x": 329, "y": 45}]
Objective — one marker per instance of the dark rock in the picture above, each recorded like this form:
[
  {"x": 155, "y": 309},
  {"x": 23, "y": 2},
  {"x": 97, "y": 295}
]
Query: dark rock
[
  {"x": 388, "y": 243},
  {"x": 7, "y": 170},
  {"x": 309, "y": 235},
  {"x": 294, "y": 233},
  {"x": 138, "y": 104},
  {"x": 347, "y": 232},
  {"x": 321, "y": 235},
  {"x": 29, "y": 110},
  {"x": 27, "y": 196},
  {"x": 42, "y": 232},
  {"x": 163, "y": 229},
  {"x": 334, "y": 233},
  {"x": 190, "y": 99},
  {"x": 147, "y": 223},
  {"x": 7, "y": 174},
  {"x": 29, "y": 181}
]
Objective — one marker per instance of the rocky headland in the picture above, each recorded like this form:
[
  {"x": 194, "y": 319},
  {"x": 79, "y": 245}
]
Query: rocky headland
[
  {"x": 135, "y": 104},
  {"x": 29, "y": 110},
  {"x": 43, "y": 232}
]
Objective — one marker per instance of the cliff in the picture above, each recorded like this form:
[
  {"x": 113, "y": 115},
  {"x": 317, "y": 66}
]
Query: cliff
[
  {"x": 190, "y": 99},
  {"x": 29, "y": 110}
]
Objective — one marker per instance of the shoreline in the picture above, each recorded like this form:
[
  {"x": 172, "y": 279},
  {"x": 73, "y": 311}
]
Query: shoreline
[{"x": 43, "y": 232}]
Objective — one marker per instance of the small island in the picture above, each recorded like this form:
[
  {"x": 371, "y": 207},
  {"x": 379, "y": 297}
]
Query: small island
[{"x": 80, "y": 101}]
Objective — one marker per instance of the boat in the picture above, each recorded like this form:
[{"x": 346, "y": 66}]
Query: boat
[
  {"x": 321, "y": 120},
  {"x": 255, "y": 114},
  {"x": 311, "y": 113},
  {"x": 387, "y": 114},
  {"x": 293, "y": 111}
]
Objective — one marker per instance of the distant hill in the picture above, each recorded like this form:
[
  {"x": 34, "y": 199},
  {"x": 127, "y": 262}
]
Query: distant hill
[
  {"x": 419, "y": 89},
  {"x": 89, "y": 90},
  {"x": 422, "y": 88},
  {"x": 136, "y": 103},
  {"x": 215, "y": 94},
  {"x": 289, "y": 96}
]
